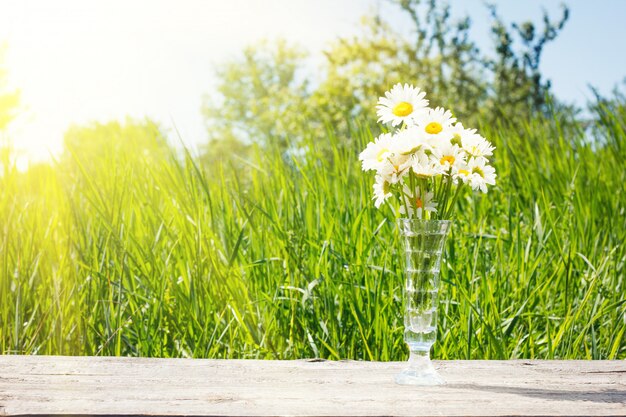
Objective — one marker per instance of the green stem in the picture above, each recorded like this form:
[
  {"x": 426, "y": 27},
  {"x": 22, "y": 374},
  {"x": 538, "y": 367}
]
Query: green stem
[
  {"x": 443, "y": 202},
  {"x": 403, "y": 200},
  {"x": 423, "y": 191},
  {"x": 453, "y": 202}
]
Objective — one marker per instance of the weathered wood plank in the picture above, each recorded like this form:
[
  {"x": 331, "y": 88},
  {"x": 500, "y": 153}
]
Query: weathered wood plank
[{"x": 139, "y": 386}]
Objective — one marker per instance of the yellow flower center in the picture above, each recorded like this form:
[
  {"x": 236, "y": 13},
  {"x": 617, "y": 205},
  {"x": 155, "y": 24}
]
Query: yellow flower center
[
  {"x": 447, "y": 158},
  {"x": 456, "y": 139},
  {"x": 463, "y": 172},
  {"x": 477, "y": 170},
  {"x": 403, "y": 109},
  {"x": 380, "y": 156},
  {"x": 433, "y": 128},
  {"x": 418, "y": 203}
]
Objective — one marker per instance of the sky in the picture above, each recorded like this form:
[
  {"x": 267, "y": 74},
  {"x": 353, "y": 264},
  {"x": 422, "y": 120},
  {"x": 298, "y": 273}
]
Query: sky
[{"x": 78, "y": 61}]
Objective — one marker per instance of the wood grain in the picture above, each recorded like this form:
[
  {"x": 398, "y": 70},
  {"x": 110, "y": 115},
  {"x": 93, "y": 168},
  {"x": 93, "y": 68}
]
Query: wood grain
[{"x": 55, "y": 385}]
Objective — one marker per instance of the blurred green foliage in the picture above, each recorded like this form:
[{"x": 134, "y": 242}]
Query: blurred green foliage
[
  {"x": 260, "y": 97},
  {"x": 266, "y": 96},
  {"x": 102, "y": 143}
]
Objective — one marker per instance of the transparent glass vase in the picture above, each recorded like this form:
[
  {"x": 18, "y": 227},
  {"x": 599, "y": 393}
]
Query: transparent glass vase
[{"x": 423, "y": 242}]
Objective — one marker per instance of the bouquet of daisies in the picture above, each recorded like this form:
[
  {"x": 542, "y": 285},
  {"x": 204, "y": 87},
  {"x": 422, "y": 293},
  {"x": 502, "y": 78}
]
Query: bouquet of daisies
[{"x": 427, "y": 158}]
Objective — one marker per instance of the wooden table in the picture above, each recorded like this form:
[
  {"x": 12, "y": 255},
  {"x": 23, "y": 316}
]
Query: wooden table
[{"x": 138, "y": 386}]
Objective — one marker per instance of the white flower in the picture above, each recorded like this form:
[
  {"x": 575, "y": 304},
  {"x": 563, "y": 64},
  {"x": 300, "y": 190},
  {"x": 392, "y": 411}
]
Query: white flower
[
  {"x": 395, "y": 167},
  {"x": 461, "y": 175},
  {"x": 425, "y": 166},
  {"x": 417, "y": 202},
  {"x": 386, "y": 156},
  {"x": 481, "y": 174},
  {"x": 382, "y": 191},
  {"x": 401, "y": 104},
  {"x": 450, "y": 157},
  {"x": 476, "y": 146},
  {"x": 410, "y": 140},
  {"x": 376, "y": 153},
  {"x": 459, "y": 132},
  {"x": 437, "y": 124}
]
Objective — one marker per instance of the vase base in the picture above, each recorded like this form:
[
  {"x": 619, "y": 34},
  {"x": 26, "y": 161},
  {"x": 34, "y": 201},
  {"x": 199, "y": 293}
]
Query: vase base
[{"x": 411, "y": 376}]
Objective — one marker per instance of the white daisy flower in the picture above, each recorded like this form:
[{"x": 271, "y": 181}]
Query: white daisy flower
[
  {"x": 417, "y": 202},
  {"x": 481, "y": 174},
  {"x": 450, "y": 156},
  {"x": 425, "y": 166},
  {"x": 395, "y": 167},
  {"x": 461, "y": 175},
  {"x": 437, "y": 124},
  {"x": 459, "y": 132},
  {"x": 401, "y": 104},
  {"x": 382, "y": 191},
  {"x": 477, "y": 146},
  {"x": 376, "y": 153},
  {"x": 411, "y": 140}
]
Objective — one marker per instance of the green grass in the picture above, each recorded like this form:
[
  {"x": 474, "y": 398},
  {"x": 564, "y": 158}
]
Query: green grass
[{"x": 130, "y": 252}]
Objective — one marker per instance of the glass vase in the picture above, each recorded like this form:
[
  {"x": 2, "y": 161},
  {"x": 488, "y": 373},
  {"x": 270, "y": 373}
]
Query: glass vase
[{"x": 423, "y": 242}]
